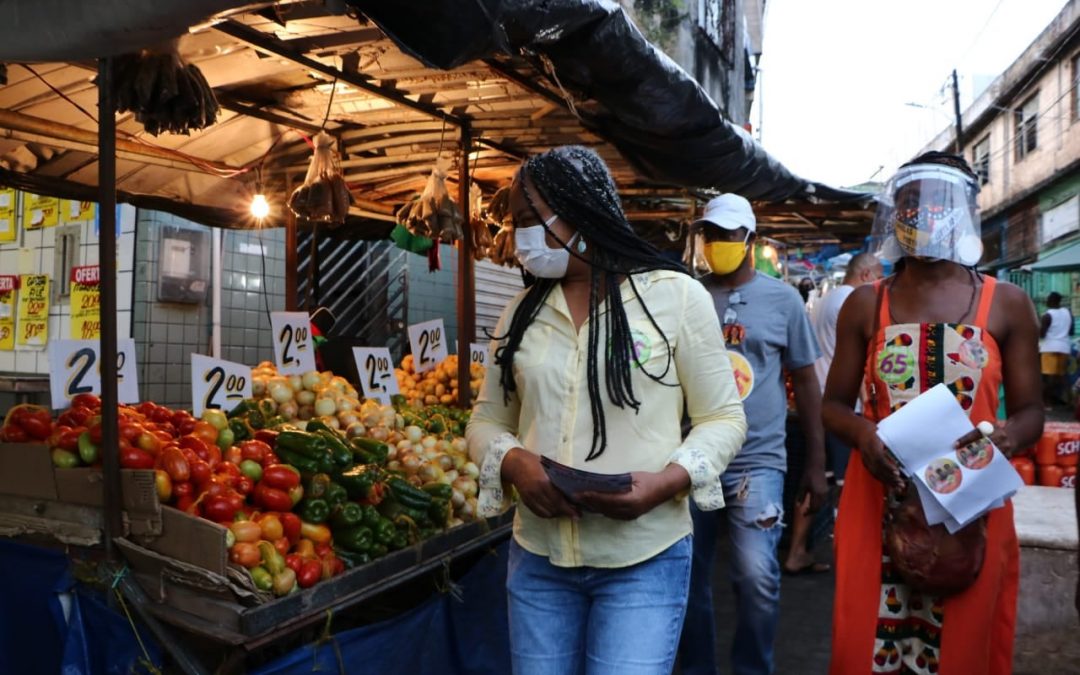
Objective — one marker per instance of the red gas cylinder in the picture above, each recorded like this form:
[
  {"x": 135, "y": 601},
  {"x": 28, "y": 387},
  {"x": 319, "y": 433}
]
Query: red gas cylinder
[
  {"x": 1067, "y": 447},
  {"x": 1046, "y": 448}
]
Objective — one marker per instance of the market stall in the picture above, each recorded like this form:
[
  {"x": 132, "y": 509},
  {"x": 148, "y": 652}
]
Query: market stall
[{"x": 287, "y": 493}]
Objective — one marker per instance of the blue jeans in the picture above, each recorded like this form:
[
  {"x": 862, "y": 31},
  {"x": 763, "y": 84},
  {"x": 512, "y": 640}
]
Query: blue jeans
[
  {"x": 567, "y": 620},
  {"x": 755, "y": 518}
]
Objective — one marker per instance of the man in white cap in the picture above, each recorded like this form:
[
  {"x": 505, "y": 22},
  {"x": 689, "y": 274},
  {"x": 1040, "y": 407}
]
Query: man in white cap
[{"x": 767, "y": 331}]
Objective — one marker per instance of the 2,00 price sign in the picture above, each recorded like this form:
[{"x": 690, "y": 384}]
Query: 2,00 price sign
[
  {"x": 376, "y": 371},
  {"x": 479, "y": 354},
  {"x": 75, "y": 368},
  {"x": 293, "y": 348},
  {"x": 217, "y": 384},
  {"x": 428, "y": 342}
]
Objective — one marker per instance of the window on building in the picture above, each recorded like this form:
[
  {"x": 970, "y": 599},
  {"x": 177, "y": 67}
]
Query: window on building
[
  {"x": 1026, "y": 119},
  {"x": 980, "y": 159},
  {"x": 1076, "y": 87}
]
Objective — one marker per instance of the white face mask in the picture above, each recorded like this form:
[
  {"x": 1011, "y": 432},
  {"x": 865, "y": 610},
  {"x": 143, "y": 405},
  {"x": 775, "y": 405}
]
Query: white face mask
[{"x": 538, "y": 259}]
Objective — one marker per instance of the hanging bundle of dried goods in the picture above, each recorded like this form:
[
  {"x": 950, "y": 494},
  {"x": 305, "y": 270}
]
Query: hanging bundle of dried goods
[
  {"x": 434, "y": 214},
  {"x": 502, "y": 246},
  {"x": 164, "y": 93},
  {"x": 324, "y": 196}
]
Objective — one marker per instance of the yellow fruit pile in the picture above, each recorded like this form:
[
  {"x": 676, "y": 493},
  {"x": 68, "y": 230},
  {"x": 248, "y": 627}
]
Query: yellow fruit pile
[{"x": 438, "y": 386}]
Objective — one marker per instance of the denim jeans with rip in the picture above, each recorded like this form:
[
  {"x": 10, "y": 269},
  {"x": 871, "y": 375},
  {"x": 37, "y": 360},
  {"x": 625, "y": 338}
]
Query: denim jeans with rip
[
  {"x": 755, "y": 514},
  {"x": 597, "y": 621}
]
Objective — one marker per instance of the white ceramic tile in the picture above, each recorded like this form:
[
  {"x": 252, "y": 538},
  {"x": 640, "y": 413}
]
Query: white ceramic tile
[
  {"x": 29, "y": 261},
  {"x": 42, "y": 362},
  {"x": 123, "y": 325},
  {"x": 48, "y": 237},
  {"x": 9, "y": 261},
  {"x": 88, "y": 236},
  {"x": 32, "y": 238},
  {"x": 25, "y": 361},
  {"x": 89, "y": 255},
  {"x": 123, "y": 290},
  {"x": 128, "y": 215},
  {"x": 7, "y": 362},
  {"x": 125, "y": 251}
]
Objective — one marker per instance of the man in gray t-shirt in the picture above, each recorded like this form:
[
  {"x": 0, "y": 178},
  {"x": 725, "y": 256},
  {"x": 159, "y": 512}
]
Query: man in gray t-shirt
[{"x": 767, "y": 331}]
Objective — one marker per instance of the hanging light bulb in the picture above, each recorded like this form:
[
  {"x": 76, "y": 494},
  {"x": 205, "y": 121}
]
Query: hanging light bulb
[{"x": 260, "y": 208}]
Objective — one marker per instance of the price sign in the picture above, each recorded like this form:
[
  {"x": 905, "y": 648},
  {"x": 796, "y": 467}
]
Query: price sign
[
  {"x": 75, "y": 368},
  {"x": 428, "y": 342},
  {"x": 217, "y": 384},
  {"x": 40, "y": 211},
  {"x": 293, "y": 349},
  {"x": 86, "y": 303},
  {"x": 8, "y": 285},
  {"x": 376, "y": 371},
  {"x": 33, "y": 310},
  {"x": 479, "y": 354}
]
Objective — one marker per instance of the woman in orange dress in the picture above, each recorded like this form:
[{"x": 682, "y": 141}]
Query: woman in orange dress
[{"x": 936, "y": 320}]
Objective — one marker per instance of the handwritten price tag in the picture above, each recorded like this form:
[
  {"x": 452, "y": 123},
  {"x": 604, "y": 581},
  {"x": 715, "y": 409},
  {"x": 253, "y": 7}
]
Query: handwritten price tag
[
  {"x": 293, "y": 348},
  {"x": 216, "y": 383},
  {"x": 376, "y": 371},
  {"x": 75, "y": 368},
  {"x": 428, "y": 342},
  {"x": 479, "y": 354}
]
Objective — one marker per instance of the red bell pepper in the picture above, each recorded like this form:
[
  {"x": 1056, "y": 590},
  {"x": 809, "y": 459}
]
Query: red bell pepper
[{"x": 290, "y": 523}]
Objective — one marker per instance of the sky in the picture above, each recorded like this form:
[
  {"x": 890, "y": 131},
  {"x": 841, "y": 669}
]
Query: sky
[{"x": 837, "y": 75}]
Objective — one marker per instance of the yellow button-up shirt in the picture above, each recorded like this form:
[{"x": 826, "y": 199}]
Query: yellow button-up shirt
[{"x": 549, "y": 415}]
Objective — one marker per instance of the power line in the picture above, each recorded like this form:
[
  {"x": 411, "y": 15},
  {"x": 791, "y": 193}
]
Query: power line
[{"x": 982, "y": 30}]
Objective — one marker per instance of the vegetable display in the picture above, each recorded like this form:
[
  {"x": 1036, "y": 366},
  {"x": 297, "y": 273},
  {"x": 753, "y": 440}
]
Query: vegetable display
[{"x": 438, "y": 386}]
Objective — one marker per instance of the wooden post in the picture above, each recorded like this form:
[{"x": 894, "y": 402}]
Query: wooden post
[
  {"x": 466, "y": 292},
  {"x": 107, "y": 351}
]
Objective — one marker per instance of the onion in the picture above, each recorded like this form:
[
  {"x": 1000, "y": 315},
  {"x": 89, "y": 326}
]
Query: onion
[
  {"x": 393, "y": 465},
  {"x": 351, "y": 393},
  {"x": 281, "y": 392},
  {"x": 430, "y": 473},
  {"x": 305, "y": 412},
  {"x": 258, "y": 386},
  {"x": 339, "y": 383},
  {"x": 459, "y": 461},
  {"x": 288, "y": 410},
  {"x": 347, "y": 420},
  {"x": 329, "y": 420},
  {"x": 394, "y": 438},
  {"x": 467, "y": 486},
  {"x": 404, "y": 444},
  {"x": 446, "y": 462},
  {"x": 305, "y": 397},
  {"x": 460, "y": 445},
  {"x": 411, "y": 463},
  {"x": 428, "y": 442},
  {"x": 300, "y": 424},
  {"x": 451, "y": 476},
  {"x": 296, "y": 382},
  {"x": 324, "y": 407},
  {"x": 468, "y": 510},
  {"x": 471, "y": 470},
  {"x": 442, "y": 445},
  {"x": 399, "y": 422},
  {"x": 414, "y": 433},
  {"x": 310, "y": 380},
  {"x": 457, "y": 499},
  {"x": 355, "y": 430},
  {"x": 379, "y": 434},
  {"x": 344, "y": 403}
]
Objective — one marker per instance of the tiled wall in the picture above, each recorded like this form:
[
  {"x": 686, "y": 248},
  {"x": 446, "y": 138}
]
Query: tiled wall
[
  {"x": 166, "y": 334},
  {"x": 33, "y": 253},
  {"x": 433, "y": 295}
]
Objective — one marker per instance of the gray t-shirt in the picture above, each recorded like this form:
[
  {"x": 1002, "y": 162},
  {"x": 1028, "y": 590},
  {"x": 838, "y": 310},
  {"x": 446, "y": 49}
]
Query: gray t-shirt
[{"x": 777, "y": 335}]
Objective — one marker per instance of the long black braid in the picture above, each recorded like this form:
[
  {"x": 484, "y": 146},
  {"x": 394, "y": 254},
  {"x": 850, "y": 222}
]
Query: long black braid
[{"x": 575, "y": 183}]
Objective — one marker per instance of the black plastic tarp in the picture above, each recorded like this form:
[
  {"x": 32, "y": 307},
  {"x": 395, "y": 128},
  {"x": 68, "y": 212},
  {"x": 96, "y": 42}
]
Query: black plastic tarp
[{"x": 639, "y": 100}]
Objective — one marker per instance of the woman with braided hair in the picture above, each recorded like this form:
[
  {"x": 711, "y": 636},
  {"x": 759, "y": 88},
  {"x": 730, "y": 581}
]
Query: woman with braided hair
[
  {"x": 935, "y": 321},
  {"x": 593, "y": 362}
]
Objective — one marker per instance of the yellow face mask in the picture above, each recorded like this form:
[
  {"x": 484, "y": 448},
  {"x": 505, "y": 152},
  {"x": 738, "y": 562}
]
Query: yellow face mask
[{"x": 724, "y": 257}]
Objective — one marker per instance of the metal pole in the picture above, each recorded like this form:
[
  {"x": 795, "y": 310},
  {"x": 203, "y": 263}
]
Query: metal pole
[
  {"x": 959, "y": 117},
  {"x": 466, "y": 293},
  {"x": 107, "y": 351}
]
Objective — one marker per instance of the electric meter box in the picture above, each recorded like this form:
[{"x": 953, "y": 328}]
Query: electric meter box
[{"x": 183, "y": 265}]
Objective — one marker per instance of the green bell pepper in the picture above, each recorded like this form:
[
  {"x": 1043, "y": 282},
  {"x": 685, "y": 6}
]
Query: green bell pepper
[
  {"x": 349, "y": 515},
  {"x": 314, "y": 511},
  {"x": 384, "y": 532},
  {"x": 357, "y": 539},
  {"x": 370, "y": 451},
  {"x": 316, "y": 486},
  {"x": 358, "y": 480},
  {"x": 379, "y": 550},
  {"x": 304, "y": 465},
  {"x": 371, "y": 516},
  {"x": 336, "y": 495},
  {"x": 241, "y": 431},
  {"x": 439, "y": 511}
]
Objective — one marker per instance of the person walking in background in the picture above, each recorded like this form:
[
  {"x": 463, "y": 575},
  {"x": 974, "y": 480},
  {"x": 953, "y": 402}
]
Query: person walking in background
[
  {"x": 1056, "y": 329},
  {"x": 863, "y": 268},
  {"x": 593, "y": 362},
  {"x": 935, "y": 321},
  {"x": 767, "y": 330}
]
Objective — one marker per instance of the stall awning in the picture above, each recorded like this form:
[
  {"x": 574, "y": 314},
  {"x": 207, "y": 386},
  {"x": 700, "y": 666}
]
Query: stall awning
[{"x": 1063, "y": 260}]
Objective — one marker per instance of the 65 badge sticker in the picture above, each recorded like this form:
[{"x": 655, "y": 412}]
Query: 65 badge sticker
[{"x": 744, "y": 374}]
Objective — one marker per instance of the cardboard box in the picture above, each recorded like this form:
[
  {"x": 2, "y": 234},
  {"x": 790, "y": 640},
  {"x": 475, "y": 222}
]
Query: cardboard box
[
  {"x": 191, "y": 540},
  {"x": 26, "y": 470}
]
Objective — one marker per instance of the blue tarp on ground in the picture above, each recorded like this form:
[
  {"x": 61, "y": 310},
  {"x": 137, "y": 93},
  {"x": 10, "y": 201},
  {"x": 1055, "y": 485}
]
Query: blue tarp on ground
[
  {"x": 444, "y": 635},
  {"x": 35, "y": 637}
]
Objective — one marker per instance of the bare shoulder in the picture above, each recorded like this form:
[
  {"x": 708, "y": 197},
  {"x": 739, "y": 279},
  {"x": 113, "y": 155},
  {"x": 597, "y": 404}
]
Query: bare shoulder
[
  {"x": 1011, "y": 311},
  {"x": 1012, "y": 296}
]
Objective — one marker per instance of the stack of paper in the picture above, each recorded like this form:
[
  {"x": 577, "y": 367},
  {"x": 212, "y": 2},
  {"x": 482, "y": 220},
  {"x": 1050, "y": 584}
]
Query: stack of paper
[{"x": 956, "y": 486}]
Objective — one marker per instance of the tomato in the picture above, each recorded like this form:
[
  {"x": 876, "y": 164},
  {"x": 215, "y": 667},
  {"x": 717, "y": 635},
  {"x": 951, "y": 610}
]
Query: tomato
[
  {"x": 206, "y": 432},
  {"x": 281, "y": 545},
  {"x": 232, "y": 455},
  {"x": 186, "y": 426},
  {"x": 331, "y": 566},
  {"x": 172, "y": 460},
  {"x": 270, "y": 459},
  {"x": 164, "y": 486},
  {"x": 254, "y": 450},
  {"x": 62, "y": 459},
  {"x": 134, "y": 458},
  {"x": 221, "y": 508},
  {"x": 225, "y": 439},
  {"x": 246, "y": 530},
  {"x": 200, "y": 473},
  {"x": 14, "y": 434},
  {"x": 216, "y": 418},
  {"x": 296, "y": 493},
  {"x": 148, "y": 442},
  {"x": 185, "y": 503},
  {"x": 271, "y": 526},
  {"x": 66, "y": 439},
  {"x": 294, "y": 562},
  {"x": 196, "y": 445},
  {"x": 245, "y": 554},
  {"x": 290, "y": 526},
  {"x": 305, "y": 549},
  {"x": 130, "y": 431},
  {"x": 94, "y": 427},
  {"x": 167, "y": 428},
  {"x": 164, "y": 437},
  {"x": 74, "y": 417},
  {"x": 36, "y": 427},
  {"x": 272, "y": 499},
  {"x": 160, "y": 414},
  {"x": 322, "y": 548},
  {"x": 88, "y": 401},
  {"x": 281, "y": 477},
  {"x": 310, "y": 574}
]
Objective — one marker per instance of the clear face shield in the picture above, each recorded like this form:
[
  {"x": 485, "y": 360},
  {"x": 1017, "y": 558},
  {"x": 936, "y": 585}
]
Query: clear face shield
[
  {"x": 929, "y": 211},
  {"x": 694, "y": 253}
]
